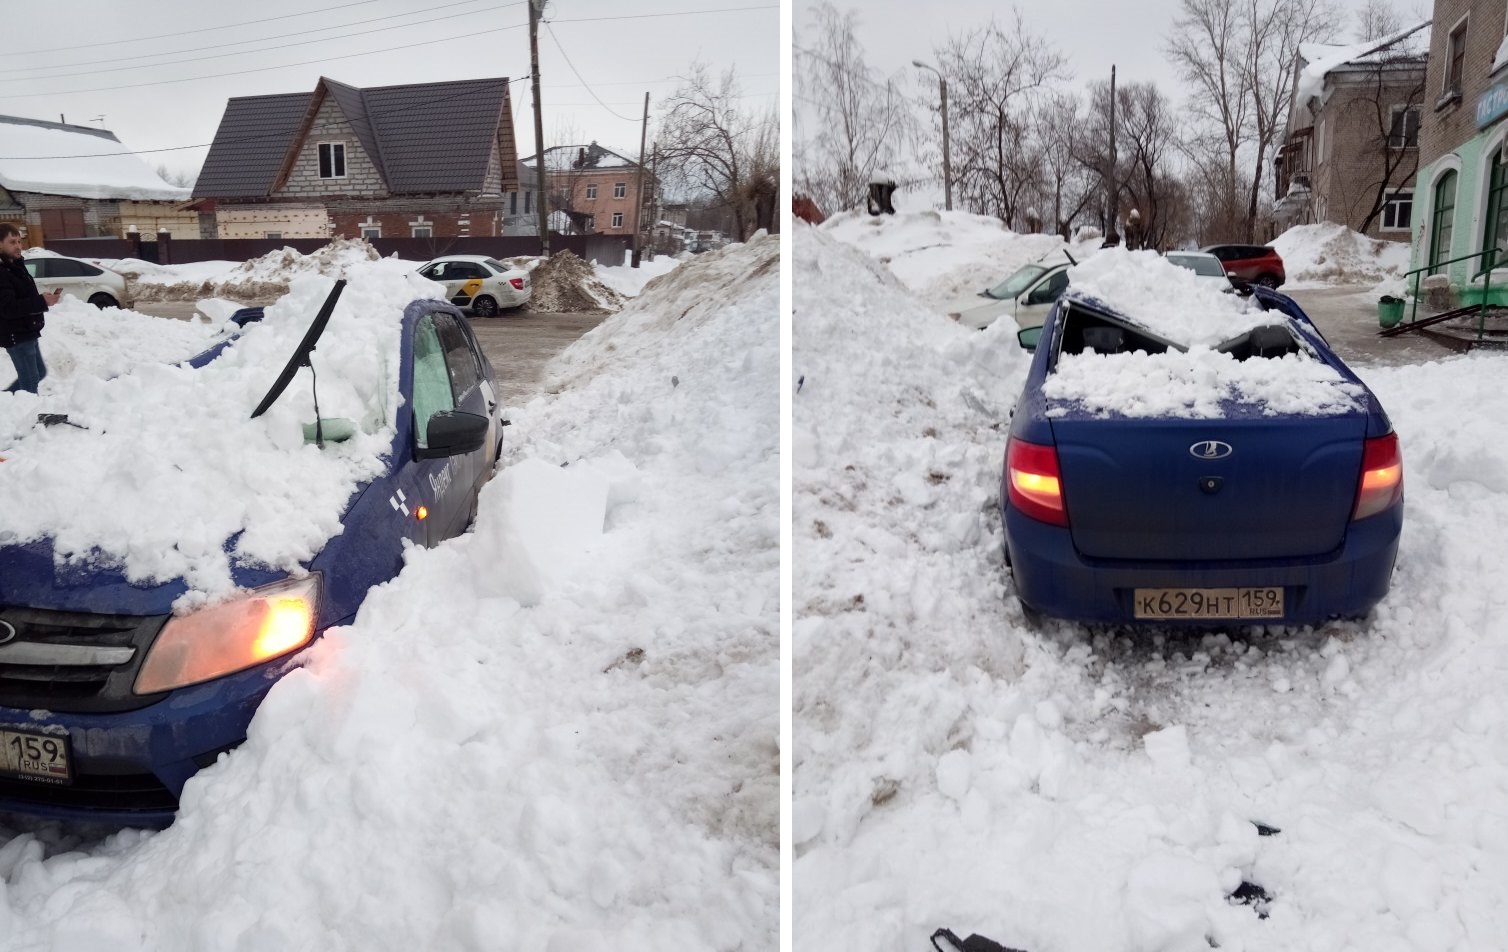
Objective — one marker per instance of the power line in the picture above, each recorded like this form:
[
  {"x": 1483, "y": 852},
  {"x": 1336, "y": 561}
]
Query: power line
[
  {"x": 556, "y": 41},
  {"x": 263, "y": 69},
  {"x": 204, "y": 145},
  {"x": 197, "y": 49},
  {"x": 208, "y": 29},
  {"x": 677, "y": 13}
]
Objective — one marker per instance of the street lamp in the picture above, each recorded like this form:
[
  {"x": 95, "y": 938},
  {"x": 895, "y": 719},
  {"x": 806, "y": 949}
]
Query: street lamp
[{"x": 942, "y": 86}]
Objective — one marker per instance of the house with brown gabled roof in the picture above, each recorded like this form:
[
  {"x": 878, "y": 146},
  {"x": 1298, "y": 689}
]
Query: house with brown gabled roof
[{"x": 425, "y": 160}]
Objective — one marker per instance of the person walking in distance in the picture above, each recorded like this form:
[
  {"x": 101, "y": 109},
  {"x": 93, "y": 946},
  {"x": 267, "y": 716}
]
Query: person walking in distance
[{"x": 21, "y": 313}]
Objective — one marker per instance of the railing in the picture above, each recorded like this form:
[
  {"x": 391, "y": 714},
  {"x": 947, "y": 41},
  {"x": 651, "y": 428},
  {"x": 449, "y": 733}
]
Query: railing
[{"x": 1491, "y": 255}]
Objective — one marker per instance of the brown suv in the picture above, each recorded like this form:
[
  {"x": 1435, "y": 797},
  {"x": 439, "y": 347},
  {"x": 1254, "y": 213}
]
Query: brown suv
[{"x": 1253, "y": 264}]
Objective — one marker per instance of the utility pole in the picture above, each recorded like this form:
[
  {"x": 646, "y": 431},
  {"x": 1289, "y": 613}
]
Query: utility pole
[
  {"x": 542, "y": 207},
  {"x": 942, "y": 92},
  {"x": 639, "y": 204},
  {"x": 1112, "y": 237}
]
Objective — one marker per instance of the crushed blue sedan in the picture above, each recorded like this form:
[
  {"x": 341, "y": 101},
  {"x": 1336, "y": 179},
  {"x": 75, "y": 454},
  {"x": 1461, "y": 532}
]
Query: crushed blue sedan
[
  {"x": 115, "y": 689},
  {"x": 1242, "y": 474}
]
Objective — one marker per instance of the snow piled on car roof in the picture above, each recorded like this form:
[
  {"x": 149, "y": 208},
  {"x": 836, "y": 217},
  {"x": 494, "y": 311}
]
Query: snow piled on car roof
[
  {"x": 545, "y": 734},
  {"x": 1171, "y": 301},
  {"x": 1199, "y": 384},
  {"x": 1092, "y": 788},
  {"x": 166, "y": 475}
]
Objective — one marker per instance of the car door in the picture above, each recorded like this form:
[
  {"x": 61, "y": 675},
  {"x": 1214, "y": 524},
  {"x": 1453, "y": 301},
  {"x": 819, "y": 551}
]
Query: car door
[
  {"x": 1033, "y": 305},
  {"x": 474, "y": 393},
  {"x": 435, "y": 489}
]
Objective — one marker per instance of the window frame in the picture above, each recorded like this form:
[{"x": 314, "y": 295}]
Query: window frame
[
  {"x": 620, "y": 190},
  {"x": 332, "y": 145},
  {"x": 1442, "y": 218},
  {"x": 1495, "y": 221},
  {"x": 1391, "y": 202},
  {"x": 617, "y": 219},
  {"x": 1408, "y": 141},
  {"x": 591, "y": 191},
  {"x": 1453, "y": 59}
]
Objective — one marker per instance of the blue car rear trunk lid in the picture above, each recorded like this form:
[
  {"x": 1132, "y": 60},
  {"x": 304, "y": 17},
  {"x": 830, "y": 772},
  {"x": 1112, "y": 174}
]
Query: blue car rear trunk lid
[{"x": 1168, "y": 490}]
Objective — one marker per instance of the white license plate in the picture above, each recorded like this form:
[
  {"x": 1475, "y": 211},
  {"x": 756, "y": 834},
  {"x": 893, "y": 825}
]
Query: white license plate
[
  {"x": 1211, "y": 603},
  {"x": 34, "y": 756}
]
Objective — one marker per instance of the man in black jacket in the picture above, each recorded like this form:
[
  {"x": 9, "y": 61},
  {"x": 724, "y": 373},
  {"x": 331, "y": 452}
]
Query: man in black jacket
[{"x": 21, "y": 310}]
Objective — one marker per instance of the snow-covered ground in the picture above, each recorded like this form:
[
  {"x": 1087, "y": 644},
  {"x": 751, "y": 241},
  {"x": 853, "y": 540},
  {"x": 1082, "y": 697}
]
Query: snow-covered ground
[
  {"x": 554, "y": 732},
  {"x": 1075, "y": 789},
  {"x": 629, "y": 281}
]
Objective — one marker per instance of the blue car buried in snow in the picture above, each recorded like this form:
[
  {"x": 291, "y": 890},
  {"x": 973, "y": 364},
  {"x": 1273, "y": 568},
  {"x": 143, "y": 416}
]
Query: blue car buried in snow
[
  {"x": 109, "y": 702},
  {"x": 1259, "y": 510}
]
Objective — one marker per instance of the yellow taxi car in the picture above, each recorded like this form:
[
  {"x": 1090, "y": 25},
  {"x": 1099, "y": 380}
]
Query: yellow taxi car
[{"x": 484, "y": 285}]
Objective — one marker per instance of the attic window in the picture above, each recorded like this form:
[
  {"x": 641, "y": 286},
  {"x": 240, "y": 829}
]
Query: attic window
[{"x": 332, "y": 160}]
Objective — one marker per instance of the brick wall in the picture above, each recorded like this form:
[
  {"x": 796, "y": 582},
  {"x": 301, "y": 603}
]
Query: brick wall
[
  {"x": 361, "y": 177},
  {"x": 1356, "y": 158},
  {"x": 482, "y": 220},
  {"x": 604, "y": 205},
  {"x": 1447, "y": 124}
]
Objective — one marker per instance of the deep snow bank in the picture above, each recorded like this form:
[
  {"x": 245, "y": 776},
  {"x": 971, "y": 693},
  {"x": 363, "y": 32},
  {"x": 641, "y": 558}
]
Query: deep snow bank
[
  {"x": 1082, "y": 789},
  {"x": 1328, "y": 253},
  {"x": 944, "y": 256},
  {"x": 458, "y": 770}
]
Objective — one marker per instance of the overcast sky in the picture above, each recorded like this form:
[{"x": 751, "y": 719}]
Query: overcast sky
[{"x": 86, "y": 59}]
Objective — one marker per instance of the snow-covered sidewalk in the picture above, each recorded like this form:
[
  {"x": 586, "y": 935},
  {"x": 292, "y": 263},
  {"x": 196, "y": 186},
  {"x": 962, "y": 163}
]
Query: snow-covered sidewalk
[
  {"x": 1070, "y": 789},
  {"x": 554, "y": 732}
]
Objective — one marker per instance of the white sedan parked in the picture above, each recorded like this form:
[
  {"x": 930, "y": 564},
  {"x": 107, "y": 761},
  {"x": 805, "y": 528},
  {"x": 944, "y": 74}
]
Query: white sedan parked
[
  {"x": 80, "y": 279},
  {"x": 483, "y": 284},
  {"x": 1206, "y": 266}
]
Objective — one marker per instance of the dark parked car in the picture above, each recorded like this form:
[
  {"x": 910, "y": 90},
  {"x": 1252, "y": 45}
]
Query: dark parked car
[
  {"x": 1259, "y": 515},
  {"x": 109, "y": 702},
  {"x": 1251, "y": 264}
]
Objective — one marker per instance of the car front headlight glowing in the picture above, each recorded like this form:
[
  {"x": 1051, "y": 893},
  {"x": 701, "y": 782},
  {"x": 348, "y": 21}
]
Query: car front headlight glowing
[{"x": 256, "y": 627}]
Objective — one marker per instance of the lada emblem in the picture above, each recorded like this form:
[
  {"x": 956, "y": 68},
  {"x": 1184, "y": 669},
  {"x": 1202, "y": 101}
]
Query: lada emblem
[{"x": 1210, "y": 449}]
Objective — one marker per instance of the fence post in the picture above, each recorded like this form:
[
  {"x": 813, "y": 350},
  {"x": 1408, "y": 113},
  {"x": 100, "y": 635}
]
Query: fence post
[{"x": 164, "y": 247}]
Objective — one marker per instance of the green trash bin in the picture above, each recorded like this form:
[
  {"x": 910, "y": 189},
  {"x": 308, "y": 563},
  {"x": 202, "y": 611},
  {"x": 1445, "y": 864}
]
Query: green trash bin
[{"x": 1389, "y": 310}]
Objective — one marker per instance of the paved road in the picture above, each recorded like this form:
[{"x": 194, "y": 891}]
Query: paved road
[
  {"x": 518, "y": 343},
  {"x": 1347, "y": 316}
]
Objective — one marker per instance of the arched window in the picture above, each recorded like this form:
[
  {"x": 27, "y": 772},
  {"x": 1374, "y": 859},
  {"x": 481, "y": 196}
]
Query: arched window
[
  {"x": 1444, "y": 220},
  {"x": 1495, "y": 235}
]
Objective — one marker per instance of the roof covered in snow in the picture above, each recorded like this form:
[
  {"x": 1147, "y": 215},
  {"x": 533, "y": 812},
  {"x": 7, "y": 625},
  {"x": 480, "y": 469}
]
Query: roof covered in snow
[
  {"x": 53, "y": 158},
  {"x": 422, "y": 137},
  {"x": 582, "y": 158},
  {"x": 1320, "y": 60}
]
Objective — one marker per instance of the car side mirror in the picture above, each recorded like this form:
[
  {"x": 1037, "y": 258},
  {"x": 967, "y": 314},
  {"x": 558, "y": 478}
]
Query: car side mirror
[
  {"x": 1028, "y": 338},
  {"x": 453, "y": 433}
]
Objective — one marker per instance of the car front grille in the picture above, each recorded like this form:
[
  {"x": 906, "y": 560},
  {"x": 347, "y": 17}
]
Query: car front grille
[{"x": 73, "y": 662}]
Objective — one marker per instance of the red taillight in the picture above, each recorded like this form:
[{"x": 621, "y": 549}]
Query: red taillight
[
  {"x": 518, "y": 283},
  {"x": 1381, "y": 477},
  {"x": 1034, "y": 483}
]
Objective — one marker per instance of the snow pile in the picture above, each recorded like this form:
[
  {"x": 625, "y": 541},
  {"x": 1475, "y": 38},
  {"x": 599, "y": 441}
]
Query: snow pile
[
  {"x": 628, "y": 281},
  {"x": 262, "y": 279},
  {"x": 945, "y": 256},
  {"x": 565, "y": 283},
  {"x": 1172, "y": 302},
  {"x": 680, "y": 302},
  {"x": 100, "y": 168},
  {"x": 460, "y": 771},
  {"x": 1328, "y": 253},
  {"x": 81, "y": 340},
  {"x": 1097, "y": 788},
  {"x": 1198, "y": 384},
  {"x": 212, "y": 474}
]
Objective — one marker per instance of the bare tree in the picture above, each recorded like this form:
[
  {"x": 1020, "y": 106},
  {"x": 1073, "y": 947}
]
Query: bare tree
[
  {"x": 1377, "y": 19},
  {"x": 857, "y": 122},
  {"x": 179, "y": 177},
  {"x": 1147, "y": 172},
  {"x": 1238, "y": 56},
  {"x": 709, "y": 144},
  {"x": 994, "y": 75},
  {"x": 1068, "y": 185}
]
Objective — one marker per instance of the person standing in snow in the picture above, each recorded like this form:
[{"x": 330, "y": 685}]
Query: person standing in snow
[{"x": 21, "y": 313}]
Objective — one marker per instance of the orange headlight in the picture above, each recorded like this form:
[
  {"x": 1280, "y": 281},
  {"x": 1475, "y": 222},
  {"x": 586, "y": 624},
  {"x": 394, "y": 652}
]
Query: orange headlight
[{"x": 232, "y": 636}]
